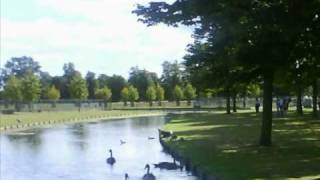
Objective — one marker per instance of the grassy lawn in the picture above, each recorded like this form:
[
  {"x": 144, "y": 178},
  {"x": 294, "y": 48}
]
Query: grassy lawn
[
  {"x": 226, "y": 145},
  {"x": 34, "y": 118}
]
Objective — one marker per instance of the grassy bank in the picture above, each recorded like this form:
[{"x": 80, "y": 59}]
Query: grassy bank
[
  {"x": 32, "y": 119},
  {"x": 226, "y": 145}
]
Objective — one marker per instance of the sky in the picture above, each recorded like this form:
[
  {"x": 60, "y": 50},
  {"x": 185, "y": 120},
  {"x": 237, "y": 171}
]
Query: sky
[{"x": 101, "y": 36}]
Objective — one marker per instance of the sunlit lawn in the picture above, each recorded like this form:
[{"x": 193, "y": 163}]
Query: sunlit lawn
[
  {"x": 226, "y": 145},
  {"x": 64, "y": 116}
]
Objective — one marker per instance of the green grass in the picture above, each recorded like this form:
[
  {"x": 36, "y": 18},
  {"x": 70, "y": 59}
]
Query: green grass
[
  {"x": 35, "y": 118},
  {"x": 227, "y": 145}
]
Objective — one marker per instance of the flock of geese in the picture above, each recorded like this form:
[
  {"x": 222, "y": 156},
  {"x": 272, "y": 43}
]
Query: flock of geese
[{"x": 148, "y": 176}]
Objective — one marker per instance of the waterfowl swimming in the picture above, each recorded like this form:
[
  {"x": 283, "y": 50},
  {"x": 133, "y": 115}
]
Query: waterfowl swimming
[
  {"x": 126, "y": 176},
  {"x": 122, "y": 142},
  {"x": 148, "y": 176},
  {"x": 111, "y": 160},
  {"x": 168, "y": 165}
]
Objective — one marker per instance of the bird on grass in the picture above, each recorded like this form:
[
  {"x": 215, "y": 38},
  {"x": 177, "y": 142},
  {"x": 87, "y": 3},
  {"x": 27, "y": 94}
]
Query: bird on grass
[
  {"x": 148, "y": 175},
  {"x": 111, "y": 160}
]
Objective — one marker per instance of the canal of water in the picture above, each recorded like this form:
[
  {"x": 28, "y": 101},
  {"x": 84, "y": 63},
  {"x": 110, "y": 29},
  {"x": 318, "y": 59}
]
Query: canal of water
[{"x": 79, "y": 151}]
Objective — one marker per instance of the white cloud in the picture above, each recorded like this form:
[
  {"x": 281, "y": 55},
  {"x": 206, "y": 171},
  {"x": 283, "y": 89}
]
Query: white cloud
[{"x": 104, "y": 37}]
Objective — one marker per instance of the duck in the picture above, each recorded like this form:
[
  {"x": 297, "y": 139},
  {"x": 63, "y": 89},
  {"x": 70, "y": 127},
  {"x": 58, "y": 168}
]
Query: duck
[
  {"x": 126, "y": 176},
  {"x": 122, "y": 142},
  {"x": 148, "y": 175},
  {"x": 151, "y": 138},
  {"x": 111, "y": 160},
  {"x": 168, "y": 165}
]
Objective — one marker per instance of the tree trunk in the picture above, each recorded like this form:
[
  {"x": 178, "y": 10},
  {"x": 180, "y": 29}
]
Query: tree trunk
[
  {"x": 189, "y": 102},
  {"x": 266, "y": 128},
  {"x": 132, "y": 103},
  {"x": 314, "y": 98},
  {"x": 30, "y": 106},
  {"x": 79, "y": 105},
  {"x": 299, "y": 101},
  {"x": 244, "y": 102},
  {"x": 228, "y": 102},
  {"x": 178, "y": 102},
  {"x": 150, "y": 103},
  {"x": 159, "y": 103},
  {"x": 234, "y": 100}
]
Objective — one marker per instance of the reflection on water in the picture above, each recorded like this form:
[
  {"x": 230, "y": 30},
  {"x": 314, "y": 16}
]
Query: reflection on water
[{"x": 79, "y": 152}]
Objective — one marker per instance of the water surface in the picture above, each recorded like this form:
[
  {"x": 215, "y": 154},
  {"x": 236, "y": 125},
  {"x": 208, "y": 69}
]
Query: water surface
[{"x": 79, "y": 152}]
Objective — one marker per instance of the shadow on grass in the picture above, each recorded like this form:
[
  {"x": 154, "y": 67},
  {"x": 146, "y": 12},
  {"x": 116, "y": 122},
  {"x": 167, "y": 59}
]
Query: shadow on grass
[{"x": 227, "y": 145}]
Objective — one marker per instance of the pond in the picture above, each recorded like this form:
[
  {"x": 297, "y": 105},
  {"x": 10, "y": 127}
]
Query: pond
[{"x": 79, "y": 151}]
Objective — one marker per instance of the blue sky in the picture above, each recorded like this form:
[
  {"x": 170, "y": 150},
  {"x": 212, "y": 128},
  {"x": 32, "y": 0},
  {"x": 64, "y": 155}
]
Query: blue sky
[{"x": 97, "y": 35}]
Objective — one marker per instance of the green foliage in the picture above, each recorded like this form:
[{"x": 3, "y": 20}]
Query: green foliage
[
  {"x": 92, "y": 84},
  {"x": 151, "y": 93},
  {"x": 142, "y": 79},
  {"x": 125, "y": 94},
  {"x": 189, "y": 92},
  {"x": 53, "y": 93},
  {"x": 19, "y": 67},
  {"x": 12, "y": 89},
  {"x": 133, "y": 94},
  {"x": 116, "y": 83},
  {"x": 172, "y": 75},
  {"x": 103, "y": 93},
  {"x": 177, "y": 94},
  {"x": 30, "y": 87},
  {"x": 159, "y": 93},
  {"x": 78, "y": 87}
]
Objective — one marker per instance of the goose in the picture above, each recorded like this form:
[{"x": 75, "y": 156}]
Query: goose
[
  {"x": 111, "y": 160},
  {"x": 168, "y": 165},
  {"x": 126, "y": 176},
  {"x": 122, "y": 142},
  {"x": 18, "y": 120},
  {"x": 148, "y": 176}
]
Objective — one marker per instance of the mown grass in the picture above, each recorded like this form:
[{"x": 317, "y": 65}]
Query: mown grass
[
  {"x": 35, "y": 118},
  {"x": 227, "y": 145}
]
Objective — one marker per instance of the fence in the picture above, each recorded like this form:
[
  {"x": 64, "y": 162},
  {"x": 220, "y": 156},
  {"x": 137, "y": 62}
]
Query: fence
[{"x": 69, "y": 105}]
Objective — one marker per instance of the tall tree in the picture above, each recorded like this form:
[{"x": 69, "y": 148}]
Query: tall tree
[
  {"x": 92, "y": 84},
  {"x": 261, "y": 34},
  {"x": 151, "y": 94},
  {"x": 104, "y": 94},
  {"x": 19, "y": 67},
  {"x": 53, "y": 94},
  {"x": 125, "y": 95},
  {"x": 116, "y": 83},
  {"x": 12, "y": 91},
  {"x": 45, "y": 81},
  {"x": 31, "y": 89},
  {"x": 172, "y": 75},
  {"x": 69, "y": 72},
  {"x": 159, "y": 94},
  {"x": 177, "y": 94},
  {"x": 78, "y": 89},
  {"x": 133, "y": 94},
  {"x": 189, "y": 93},
  {"x": 142, "y": 79}
]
